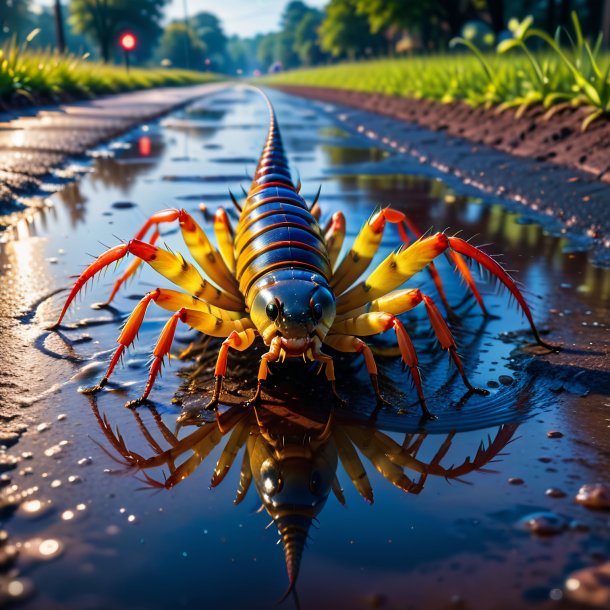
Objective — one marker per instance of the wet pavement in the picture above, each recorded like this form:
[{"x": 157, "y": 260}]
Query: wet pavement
[
  {"x": 41, "y": 149},
  {"x": 84, "y": 529}
]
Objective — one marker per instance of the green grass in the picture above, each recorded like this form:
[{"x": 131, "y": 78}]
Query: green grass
[
  {"x": 513, "y": 76},
  {"x": 28, "y": 77}
]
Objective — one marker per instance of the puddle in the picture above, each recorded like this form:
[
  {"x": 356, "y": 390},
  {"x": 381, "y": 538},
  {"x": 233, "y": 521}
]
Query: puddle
[{"x": 72, "y": 502}]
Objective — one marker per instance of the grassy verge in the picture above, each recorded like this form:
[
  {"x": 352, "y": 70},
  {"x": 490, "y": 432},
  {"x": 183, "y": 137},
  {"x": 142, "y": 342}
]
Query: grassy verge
[
  {"x": 513, "y": 76},
  {"x": 28, "y": 78}
]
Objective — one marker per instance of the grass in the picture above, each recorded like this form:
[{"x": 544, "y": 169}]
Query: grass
[
  {"x": 556, "y": 76},
  {"x": 29, "y": 78}
]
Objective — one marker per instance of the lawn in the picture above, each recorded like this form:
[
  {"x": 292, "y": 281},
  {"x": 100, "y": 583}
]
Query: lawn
[{"x": 29, "y": 78}]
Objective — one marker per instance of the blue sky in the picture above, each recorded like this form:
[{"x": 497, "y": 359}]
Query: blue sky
[{"x": 243, "y": 17}]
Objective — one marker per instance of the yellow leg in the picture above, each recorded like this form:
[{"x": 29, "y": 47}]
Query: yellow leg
[
  {"x": 364, "y": 248},
  {"x": 394, "y": 271},
  {"x": 334, "y": 237},
  {"x": 348, "y": 343},
  {"x": 202, "y": 321},
  {"x": 378, "y": 322},
  {"x": 204, "y": 253},
  {"x": 224, "y": 238}
]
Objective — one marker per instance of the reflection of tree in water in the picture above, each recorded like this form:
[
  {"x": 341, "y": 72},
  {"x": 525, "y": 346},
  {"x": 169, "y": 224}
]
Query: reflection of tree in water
[
  {"x": 345, "y": 155},
  {"x": 74, "y": 202},
  {"x": 292, "y": 456}
]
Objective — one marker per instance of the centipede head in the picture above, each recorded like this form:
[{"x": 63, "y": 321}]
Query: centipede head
[{"x": 297, "y": 306}]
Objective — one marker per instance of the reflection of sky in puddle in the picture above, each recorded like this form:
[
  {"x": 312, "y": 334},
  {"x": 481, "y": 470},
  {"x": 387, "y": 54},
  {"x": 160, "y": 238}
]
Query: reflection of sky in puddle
[{"x": 189, "y": 531}]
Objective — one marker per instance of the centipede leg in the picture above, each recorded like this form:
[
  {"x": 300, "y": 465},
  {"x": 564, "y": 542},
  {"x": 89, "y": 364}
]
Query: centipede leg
[{"x": 236, "y": 340}]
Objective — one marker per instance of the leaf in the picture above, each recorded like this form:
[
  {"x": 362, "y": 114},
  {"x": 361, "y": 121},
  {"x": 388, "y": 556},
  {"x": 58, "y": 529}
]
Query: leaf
[{"x": 507, "y": 44}]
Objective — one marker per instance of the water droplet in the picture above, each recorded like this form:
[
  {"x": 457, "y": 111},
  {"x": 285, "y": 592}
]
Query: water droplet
[
  {"x": 55, "y": 483},
  {"x": 85, "y": 461},
  {"x": 61, "y": 417},
  {"x": 554, "y": 434},
  {"x": 45, "y": 549},
  {"x": 590, "y": 586},
  {"x": 53, "y": 451},
  {"x": 553, "y": 492},
  {"x": 515, "y": 481},
  {"x": 43, "y": 427},
  {"x": 131, "y": 518},
  {"x": 67, "y": 515},
  {"x": 74, "y": 479},
  {"x": 544, "y": 523},
  {"x": 595, "y": 496},
  {"x": 34, "y": 508}
]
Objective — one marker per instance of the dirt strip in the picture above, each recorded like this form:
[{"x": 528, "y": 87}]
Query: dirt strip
[
  {"x": 35, "y": 148},
  {"x": 551, "y": 166}
]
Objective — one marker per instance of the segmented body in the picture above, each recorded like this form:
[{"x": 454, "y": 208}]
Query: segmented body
[
  {"x": 280, "y": 277},
  {"x": 277, "y": 233}
]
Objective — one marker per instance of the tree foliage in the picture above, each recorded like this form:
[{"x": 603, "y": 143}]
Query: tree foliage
[
  {"x": 181, "y": 46},
  {"x": 103, "y": 21}
]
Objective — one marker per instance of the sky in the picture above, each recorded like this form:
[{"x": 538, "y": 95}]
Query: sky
[{"x": 243, "y": 17}]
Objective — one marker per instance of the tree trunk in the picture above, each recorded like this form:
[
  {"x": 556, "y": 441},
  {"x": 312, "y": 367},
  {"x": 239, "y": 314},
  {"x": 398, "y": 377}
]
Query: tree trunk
[{"x": 59, "y": 27}]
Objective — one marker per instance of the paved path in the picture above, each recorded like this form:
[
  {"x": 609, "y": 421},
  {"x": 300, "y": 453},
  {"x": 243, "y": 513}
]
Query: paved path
[{"x": 35, "y": 147}]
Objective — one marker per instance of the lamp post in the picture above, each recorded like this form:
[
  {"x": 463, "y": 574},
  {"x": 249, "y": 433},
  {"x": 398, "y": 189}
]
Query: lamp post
[
  {"x": 128, "y": 43},
  {"x": 59, "y": 27}
]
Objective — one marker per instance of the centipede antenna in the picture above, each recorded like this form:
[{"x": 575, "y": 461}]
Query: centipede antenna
[
  {"x": 243, "y": 190},
  {"x": 315, "y": 199},
  {"x": 234, "y": 200}
]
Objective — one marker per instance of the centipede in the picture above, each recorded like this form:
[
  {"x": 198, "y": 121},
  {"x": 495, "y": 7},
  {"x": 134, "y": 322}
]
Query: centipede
[{"x": 282, "y": 278}]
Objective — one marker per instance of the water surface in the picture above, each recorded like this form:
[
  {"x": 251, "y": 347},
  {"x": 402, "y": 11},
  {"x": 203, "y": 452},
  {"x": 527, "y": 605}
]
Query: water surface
[{"x": 123, "y": 544}]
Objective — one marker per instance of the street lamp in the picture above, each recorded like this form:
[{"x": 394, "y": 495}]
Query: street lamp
[{"x": 128, "y": 43}]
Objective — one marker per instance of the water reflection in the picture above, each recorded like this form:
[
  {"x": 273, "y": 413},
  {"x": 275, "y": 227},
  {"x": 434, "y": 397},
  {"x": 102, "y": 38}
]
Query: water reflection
[{"x": 292, "y": 456}]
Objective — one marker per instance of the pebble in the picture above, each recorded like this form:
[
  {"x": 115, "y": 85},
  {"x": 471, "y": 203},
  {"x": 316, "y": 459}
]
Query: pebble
[
  {"x": 505, "y": 379},
  {"x": 554, "y": 434},
  {"x": 595, "y": 496},
  {"x": 590, "y": 586},
  {"x": 544, "y": 524},
  {"x": 553, "y": 492},
  {"x": 515, "y": 481}
]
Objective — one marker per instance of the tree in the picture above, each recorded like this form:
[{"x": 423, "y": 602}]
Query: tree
[
  {"x": 208, "y": 28},
  {"x": 181, "y": 46},
  {"x": 346, "y": 33},
  {"x": 104, "y": 20},
  {"x": 14, "y": 19},
  {"x": 306, "y": 44}
]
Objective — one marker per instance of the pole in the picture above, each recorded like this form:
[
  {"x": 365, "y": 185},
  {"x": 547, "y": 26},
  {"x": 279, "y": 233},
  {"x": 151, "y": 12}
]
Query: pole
[
  {"x": 187, "y": 38},
  {"x": 59, "y": 28},
  {"x": 126, "y": 55}
]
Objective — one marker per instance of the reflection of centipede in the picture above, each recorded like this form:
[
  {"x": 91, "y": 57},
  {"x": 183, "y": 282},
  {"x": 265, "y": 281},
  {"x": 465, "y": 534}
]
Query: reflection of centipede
[
  {"x": 279, "y": 277},
  {"x": 293, "y": 461}
]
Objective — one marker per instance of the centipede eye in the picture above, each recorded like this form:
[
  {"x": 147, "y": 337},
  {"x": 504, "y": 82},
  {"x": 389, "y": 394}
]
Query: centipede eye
[
  {"x": 272, "y": 310},
  {"x": 316, "y": 310}
]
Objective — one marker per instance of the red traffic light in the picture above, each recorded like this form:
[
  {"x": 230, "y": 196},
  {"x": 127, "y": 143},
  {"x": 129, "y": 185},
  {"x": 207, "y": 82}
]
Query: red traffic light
[{"x": 127, "y": 41}]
